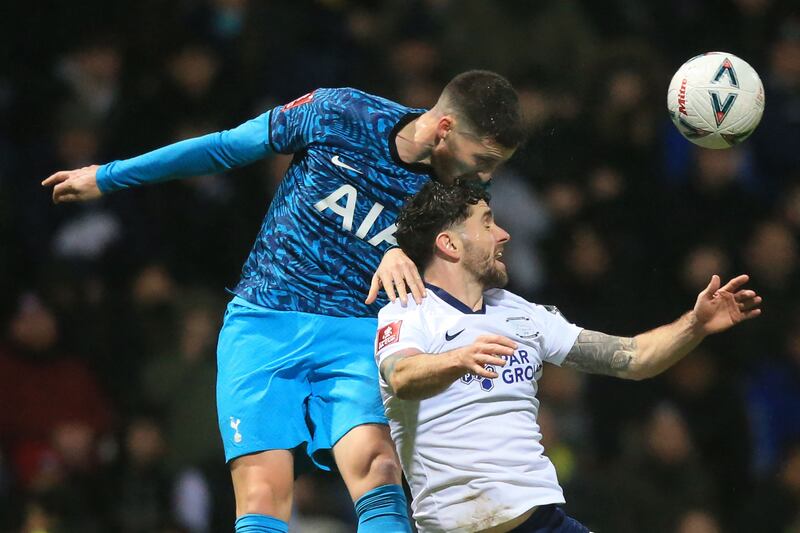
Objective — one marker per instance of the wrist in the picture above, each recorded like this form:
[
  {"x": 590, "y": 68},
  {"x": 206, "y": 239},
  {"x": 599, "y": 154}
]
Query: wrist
[
  {"x": 454, "y": 364},
  {"x": 693, "y": 325},
  {"x": 103, "y": 180}
]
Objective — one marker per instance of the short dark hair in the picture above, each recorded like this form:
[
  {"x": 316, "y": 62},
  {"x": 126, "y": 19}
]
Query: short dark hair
[
  {"x": 435, "y": 208},
  {"x": 489, "y": 103}
]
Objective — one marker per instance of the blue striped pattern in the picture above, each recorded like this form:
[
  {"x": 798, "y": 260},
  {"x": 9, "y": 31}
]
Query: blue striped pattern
[{"x": 319, "y": 257}]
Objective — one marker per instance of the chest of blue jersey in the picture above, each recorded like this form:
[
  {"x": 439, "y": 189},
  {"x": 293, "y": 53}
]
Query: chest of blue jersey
[
  {"x": 333, "y": 215},
  {"x": 358, "y": 194}
]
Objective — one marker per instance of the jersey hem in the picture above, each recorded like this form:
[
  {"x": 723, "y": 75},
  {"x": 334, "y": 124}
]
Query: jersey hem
[{"x": 513, "y": 512}]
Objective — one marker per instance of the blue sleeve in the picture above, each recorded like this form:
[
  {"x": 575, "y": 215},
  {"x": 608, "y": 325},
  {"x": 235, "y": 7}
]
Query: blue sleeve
[
  {"x": 208, "y": 154},
  {"x": 310, "y": 118}
]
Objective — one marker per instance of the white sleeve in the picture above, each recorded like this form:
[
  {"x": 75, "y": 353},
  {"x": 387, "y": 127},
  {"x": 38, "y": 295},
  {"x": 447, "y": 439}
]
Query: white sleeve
[
  {"x": 399, "y": 329},
  {"x": 559, "y": 335}
]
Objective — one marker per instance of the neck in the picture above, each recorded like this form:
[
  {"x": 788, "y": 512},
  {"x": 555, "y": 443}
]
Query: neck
[
  {"x": 455, "y": 280},
  {"x": 415, "y": 140}
]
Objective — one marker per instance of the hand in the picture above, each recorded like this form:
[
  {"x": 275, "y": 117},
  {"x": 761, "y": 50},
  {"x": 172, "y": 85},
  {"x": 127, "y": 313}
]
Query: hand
[
  {"x": 486, "y": 350},
  {"x": 718, "y": 309},
  {"x": 74, "y": 185},
  {"x": 396, "y": 271}
]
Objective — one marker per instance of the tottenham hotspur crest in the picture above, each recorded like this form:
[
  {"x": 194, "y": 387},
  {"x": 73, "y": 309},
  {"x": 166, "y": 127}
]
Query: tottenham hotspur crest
[{"x": 237, "y": 437}]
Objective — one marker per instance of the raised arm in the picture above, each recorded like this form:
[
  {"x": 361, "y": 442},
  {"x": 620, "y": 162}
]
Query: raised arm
[
  {"x": 652, "y": 352},
  {"x": 414, "y": 375},
  {"x": 208, "y": 154}
]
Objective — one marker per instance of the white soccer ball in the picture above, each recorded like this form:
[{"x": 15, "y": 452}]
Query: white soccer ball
[{"x": 716, "y": 100}]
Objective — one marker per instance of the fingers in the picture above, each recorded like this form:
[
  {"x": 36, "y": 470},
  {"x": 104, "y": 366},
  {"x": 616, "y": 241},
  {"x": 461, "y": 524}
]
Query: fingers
[
  {"x": 388, "y": 282},
  {"x": 402, "y": 292},
  {"x": 415, "y": 283},
  {"x": 373, "y": 290},
  {"x": 56, "y": 178},
  {"x": 479, "y": 355},
  {"x": 734, "y": 284},
  {"x": 398, "y": 276},
  {"x": 752, "y": 314},
  {"x": 492, "y": 349},
  {"x": 406, "y": 280},
  {"x": 745, "y": 295},
  {"x": 64, "y": 192},
  {"x": 497, "y": 340},
  {"x": 713, "y": 285},
  {"x": 494, "y": 360},
  {"x": 483, "y": 372},
  {"x": 416, "y": 292},
  {"x": 490, "y": 361},
  {"x": 748, "y": 305},
  {"x": 388, "y": 285},
  {"x": 66, "y": 198},
  {"x": 378, "y": 281},
  {"x": 396, "y": 286}
]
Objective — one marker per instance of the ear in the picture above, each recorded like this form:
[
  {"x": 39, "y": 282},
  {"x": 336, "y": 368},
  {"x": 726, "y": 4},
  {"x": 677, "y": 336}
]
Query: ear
[
  {"x": 448, "y": 245},
  {"x": 444, "y": 126}
]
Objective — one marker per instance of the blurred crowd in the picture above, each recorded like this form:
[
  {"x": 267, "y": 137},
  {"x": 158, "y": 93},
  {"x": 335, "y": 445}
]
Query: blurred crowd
[{"x": 110, "y": 309}]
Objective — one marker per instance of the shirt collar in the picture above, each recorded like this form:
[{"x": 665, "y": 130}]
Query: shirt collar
[{"x": 455, "y": 302}]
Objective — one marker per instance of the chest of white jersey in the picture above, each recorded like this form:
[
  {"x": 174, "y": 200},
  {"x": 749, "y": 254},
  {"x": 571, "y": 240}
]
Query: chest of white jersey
[{"x": 472, "y": 454}]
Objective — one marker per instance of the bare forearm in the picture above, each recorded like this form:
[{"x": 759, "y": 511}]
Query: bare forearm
[
  {"x": 660, "y": 348},
  {"x": 640, "y": 357},
  {"x": 597, "y": 353},
  {"x": 422, "y": 376}
]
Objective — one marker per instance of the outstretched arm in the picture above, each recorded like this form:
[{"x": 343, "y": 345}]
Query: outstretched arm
[
  {"x": 650, "y": 353},
  {"x": 208, "y": 154}
]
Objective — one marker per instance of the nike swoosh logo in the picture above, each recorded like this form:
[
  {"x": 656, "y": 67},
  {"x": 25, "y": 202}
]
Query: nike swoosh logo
[
  {"x": 339, "y": 163},
  {"x": 449, "y": 337}
]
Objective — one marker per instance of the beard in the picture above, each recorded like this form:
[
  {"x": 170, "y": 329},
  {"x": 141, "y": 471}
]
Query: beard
[{"x": 484, "y": 268}]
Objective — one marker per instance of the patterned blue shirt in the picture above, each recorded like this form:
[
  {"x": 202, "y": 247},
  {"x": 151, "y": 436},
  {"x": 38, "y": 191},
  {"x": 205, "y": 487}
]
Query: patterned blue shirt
[{"x": 332, "y": 217}]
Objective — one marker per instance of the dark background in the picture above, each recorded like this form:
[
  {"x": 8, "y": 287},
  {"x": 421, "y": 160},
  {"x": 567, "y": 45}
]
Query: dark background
[{"x": 110, "y": 310}]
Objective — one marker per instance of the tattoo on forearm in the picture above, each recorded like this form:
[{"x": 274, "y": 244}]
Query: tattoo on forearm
[
  {"x": 598, "y": 353},
  {"x": 387, "y": 368}
]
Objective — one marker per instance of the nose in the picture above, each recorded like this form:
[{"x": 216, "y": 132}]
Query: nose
[
  {"x": 502, "y": 235},
  {"x": 485, "y": 177}
]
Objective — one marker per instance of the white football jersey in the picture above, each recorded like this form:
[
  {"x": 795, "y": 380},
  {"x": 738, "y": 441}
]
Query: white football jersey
[{"x": 471, "y": 454}]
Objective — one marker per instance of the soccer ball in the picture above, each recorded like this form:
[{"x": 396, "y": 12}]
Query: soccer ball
[{"x": 716, "y": 100}]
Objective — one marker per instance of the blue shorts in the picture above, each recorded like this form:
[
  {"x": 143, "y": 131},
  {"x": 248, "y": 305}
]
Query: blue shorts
[
  {"x": 550, "y": 519},
  {"x": 287, "y": 379}
]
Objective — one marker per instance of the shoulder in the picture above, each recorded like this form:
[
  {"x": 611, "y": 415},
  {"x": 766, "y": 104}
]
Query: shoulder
[
  {"x": 509, "y": 300},
  {"x": 343, "y": 98},
  {"x": 504, "y": 298},
  {"x": 397, "y": 310},
  {"x": 401, "y": 326},
  {"x": 322, "y": 100},
  {"x": 344, "y": 101},
  {"x": 424, "y": 316}
]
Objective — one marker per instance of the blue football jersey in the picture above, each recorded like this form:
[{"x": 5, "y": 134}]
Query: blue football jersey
[{"x": 333, "y": 215}]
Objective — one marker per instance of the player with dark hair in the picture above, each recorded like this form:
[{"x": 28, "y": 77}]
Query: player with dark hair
[
  {"x": 459, "y": 371},
  {"x": 296, "y": 374}
]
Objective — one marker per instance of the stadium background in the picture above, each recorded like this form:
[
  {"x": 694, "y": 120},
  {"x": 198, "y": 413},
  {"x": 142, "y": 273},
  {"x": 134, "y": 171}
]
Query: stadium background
[{"x": 109, "y": 310}]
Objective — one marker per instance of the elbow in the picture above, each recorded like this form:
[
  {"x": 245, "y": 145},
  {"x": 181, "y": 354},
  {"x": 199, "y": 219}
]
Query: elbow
[
  {"x": 638, "y": 371},
  {"x": 403, "y": 394},
  {"x": 635, "y": 375},
  {"x": 399, "y": 387},
  {"x": 402, "y": 391}
]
